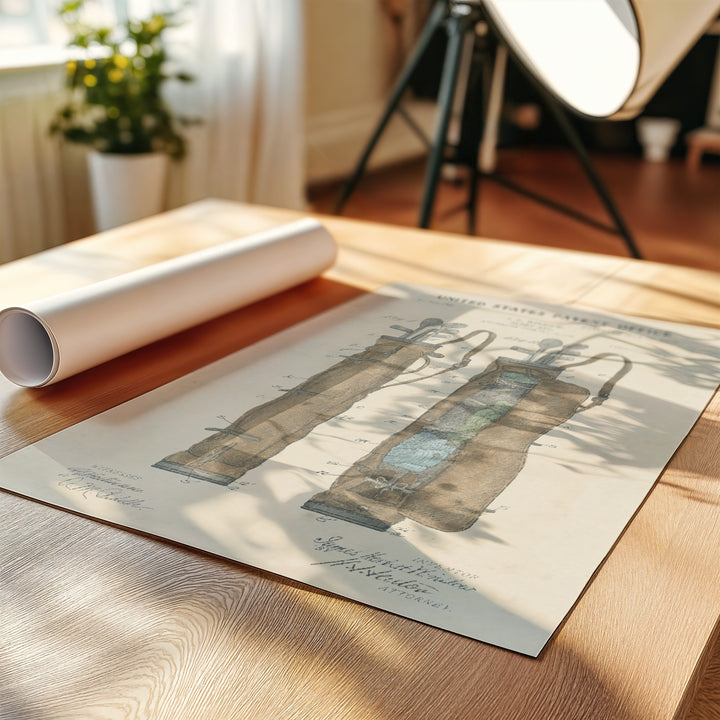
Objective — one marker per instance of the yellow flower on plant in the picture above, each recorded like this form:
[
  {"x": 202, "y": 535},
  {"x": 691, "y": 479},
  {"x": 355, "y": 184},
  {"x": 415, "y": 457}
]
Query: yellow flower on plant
[
  {"x": 155, "y": 24},
  {"x": 90, "y": 81},
  {"x": 71, "y": 66},
  {"x": 89, "y": 64},
  {"x": 115, "y": 75},
  {"x": 120, "y": 61}
]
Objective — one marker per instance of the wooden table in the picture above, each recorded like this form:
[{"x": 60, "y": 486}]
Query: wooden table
[{"x": 98, "y": 622}]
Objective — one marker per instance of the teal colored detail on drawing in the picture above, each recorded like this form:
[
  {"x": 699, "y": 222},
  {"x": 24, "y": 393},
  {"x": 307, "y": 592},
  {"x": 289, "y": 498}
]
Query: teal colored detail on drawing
[
  {"x": 480, "y": 420},
  {"x": 419, "y": 452}
]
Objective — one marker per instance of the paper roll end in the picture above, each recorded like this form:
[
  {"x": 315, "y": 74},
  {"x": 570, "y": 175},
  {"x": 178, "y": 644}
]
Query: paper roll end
[{"x": 28, "y": 354}]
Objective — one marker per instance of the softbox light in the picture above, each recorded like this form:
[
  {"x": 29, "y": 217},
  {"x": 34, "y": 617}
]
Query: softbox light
[{"x": 602, "y": 58}]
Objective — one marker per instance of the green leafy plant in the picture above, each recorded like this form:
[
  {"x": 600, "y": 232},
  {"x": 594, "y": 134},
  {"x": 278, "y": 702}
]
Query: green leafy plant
[{"x": 114, "y": 86}]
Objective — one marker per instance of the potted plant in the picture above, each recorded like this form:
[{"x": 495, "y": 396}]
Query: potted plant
[{"x": 115, "y": 106}]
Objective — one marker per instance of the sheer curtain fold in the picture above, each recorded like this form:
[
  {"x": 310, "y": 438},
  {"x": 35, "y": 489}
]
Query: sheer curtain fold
[
  {"x": 32, "y": 214},
  {"x": 280, "y": 166},
  {"x": 248, "y": 97}
]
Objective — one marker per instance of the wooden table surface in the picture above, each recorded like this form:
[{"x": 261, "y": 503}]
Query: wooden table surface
[{"x": 99, "y": 622}]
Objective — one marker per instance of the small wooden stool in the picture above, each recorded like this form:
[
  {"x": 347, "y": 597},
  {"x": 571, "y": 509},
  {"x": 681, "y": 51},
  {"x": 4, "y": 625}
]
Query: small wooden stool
[{"x": 701, "y": 141}]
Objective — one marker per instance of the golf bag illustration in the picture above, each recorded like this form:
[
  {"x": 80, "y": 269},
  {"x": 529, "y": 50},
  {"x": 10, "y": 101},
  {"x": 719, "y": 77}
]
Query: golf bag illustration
[
  {"x": 447, "y": 466},
  {"x": 265, "y": 430}
]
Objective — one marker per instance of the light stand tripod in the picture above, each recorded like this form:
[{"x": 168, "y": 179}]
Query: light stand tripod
[{"x": 460, "y": 18}]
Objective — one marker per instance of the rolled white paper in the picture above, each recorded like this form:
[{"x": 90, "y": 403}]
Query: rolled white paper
[{"x": 52, "y": 338}]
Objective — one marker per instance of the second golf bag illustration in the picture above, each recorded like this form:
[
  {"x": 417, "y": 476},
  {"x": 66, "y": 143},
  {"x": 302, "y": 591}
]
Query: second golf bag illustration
[{"x": 447, "y": 466}]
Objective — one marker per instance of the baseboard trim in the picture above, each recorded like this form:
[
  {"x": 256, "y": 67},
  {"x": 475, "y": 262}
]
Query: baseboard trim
[{"x": 334, "y": 140}]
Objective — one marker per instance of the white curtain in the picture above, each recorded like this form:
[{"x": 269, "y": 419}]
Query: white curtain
[
  {"x": 31, "y": 189},
  {"x": 248, "y": 61}
]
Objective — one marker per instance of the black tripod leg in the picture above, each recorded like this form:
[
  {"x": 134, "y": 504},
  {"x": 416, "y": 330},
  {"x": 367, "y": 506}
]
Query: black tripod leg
[
  {"x": 456, "y": 28},
  {"x": 434, "y": 21},
  {"x": 478, "y": 97},
  {"x": 473, "y": 192},
  {"x": 473, "y": 129},
  {"x": 577, "y": 145}
]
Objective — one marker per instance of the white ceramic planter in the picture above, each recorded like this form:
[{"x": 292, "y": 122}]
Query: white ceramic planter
[
  {"x": 657, "y": 136},
  {"x": 126, "y": 187}
]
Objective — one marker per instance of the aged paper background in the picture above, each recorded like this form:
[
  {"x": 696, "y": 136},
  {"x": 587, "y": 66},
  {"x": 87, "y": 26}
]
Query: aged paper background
[{"x": 510, "y": 573}]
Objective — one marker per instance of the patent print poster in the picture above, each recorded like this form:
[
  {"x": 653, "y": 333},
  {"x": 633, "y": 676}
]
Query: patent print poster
[{"x": 463, "y": 461}]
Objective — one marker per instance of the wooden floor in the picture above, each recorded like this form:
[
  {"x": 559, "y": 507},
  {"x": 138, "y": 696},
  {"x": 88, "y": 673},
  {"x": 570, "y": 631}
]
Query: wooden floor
[{"x": 673, "y": 214}]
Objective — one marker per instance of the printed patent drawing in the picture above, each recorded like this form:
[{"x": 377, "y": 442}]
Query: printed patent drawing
[{"x": 465, "y": 461}]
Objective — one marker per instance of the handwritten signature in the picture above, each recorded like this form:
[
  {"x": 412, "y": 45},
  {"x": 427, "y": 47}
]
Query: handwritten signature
[
  {"x": 104, "y": 483},
  {"x": 418, "y": 579}
]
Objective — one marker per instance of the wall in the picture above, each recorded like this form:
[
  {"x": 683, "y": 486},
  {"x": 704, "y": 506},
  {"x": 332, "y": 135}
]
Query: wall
[{"x": 353, "y": 54}]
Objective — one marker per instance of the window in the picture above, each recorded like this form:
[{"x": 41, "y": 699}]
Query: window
[
  {"x": 27, "y": 23},
  {"x": 31, "y": 33}
]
